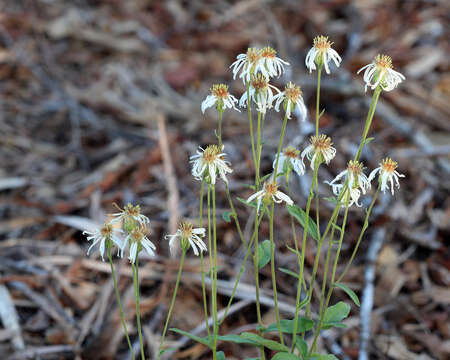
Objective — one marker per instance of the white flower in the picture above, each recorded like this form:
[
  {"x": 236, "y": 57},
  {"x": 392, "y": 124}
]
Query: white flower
[
  {"x": 246, "y": 63},
  {"x": 387, "y": 173},
  {"x": 106, "y": 233},
  {"x": 270, "y": 192},
  {"x": 269, "y": 64},
  {"x": 131, "y": 216},
  {"x": 188, "y": 237},
  {"x": 221, "y": 98},
  {"x": 291, "y": 97},
  {"x": 380, "y": 72},
  {"x": 320, "y": 150},
  {"x": 356, "y": 180},
  {"x": 260, "y": 92},
  {"x": 138, "y": 240},
  {"x": 321, "y": 53},
  {"x": 210, "y": 161},
  {"x": 289, "y": 156}
]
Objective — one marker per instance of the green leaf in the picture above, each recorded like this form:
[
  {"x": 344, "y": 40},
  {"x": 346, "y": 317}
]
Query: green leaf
[
  {"x": 335, "y": 314},
  {"x": 337, "y": 227},
  {"x": 289, "y": 272},
  {"x": 226, "y": 216},
  {"x": 270, "y": 344},
  {"x": 250, "y": 186},
  {"x": 285, "y": 356},
  {"x": 368, "y": 140},
  {"x": 263, "y": 254},
  {"x": 349, "y": 292},
  {"x": 321, "y": 113},
  {"x": 192, "y": 336},
  {"x": 300, "y": 216},
  {"x": 252, "y": 204},
  {"x": 304, "y": 302},
  {"x": 252, "y": 358},
  {"x": 287, "y": 326},
  {"x": 236, "y": 339},
  {"x": 166, "y": 350},
  {"x": 265, "y": 177},
  {"x": 293, "y": 250},
  {"x": 302, "y": 347},
  {"x": 221, "y": 355},
  {"x": 323, "y": 357},
  {"x": 332, "y": 200}
]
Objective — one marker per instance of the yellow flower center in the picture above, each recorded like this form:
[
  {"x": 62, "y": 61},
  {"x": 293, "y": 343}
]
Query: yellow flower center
[
  {"x": 268, "y": 53},
  {"x": 321, "y": 143},
  {"x": 355, "y": 167},
  {"x": 137, "y": 234},
  {"x": 253, "y": 55},
  {"x": 322, "y": 44},
  {"x": 259, "y": 82},
  {"x": 186, "y": 229},
  {"x": 270, "y": 188},
  {"x": 292, "y": 92},
  {"x": 210, "y": 154},
  {"x": 106, "y": 230},
  {"x": 131, "y": 210},
  {"x": 291, "y": 152},
  {"x": 220, "y": 91},
  {"x": 383, "y": 62},
  {"x": 388, "y": 165}
]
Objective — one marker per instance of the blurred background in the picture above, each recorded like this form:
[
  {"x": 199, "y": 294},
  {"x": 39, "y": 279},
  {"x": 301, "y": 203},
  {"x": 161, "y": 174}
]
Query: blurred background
[{"x": 100, "y": 103}]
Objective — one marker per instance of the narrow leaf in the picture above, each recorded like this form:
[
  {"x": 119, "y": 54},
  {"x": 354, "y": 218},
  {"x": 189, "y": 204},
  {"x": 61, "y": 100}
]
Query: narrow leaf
[
  {"x": 252, "y": 204},
  {"x": 236, "y": 339},
  {"x": 289, "y": 272},
  {"x": 287, "y": 326},
  {"x": 226, "y": 216},
  {"x": 285, "y": 356},
  {"x": 221, "y": 355},
  {"x": 300, "y": 216},
  {"x": 323, "y": 357},
  {"x": 270, "y": 344},
  {"x": 192, "y": 336},
  {"x": 335, "y": 314},
  {"x": 349, "y": 292},
  {"x": 263, "y": 253},
  {"x": 302, "y": 347}
]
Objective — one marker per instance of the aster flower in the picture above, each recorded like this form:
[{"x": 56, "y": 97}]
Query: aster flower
[
  {"x": 221, "y": 98},
  {"x": 289, "y": 160},
  {"x": 210, "y": 161},
  {"x": 138, "y": 239},
  {"x": 246, "y": 64},
  {"x": 291, "y": 97},
  {"x": 269, "y": 193},
  {"x": 188, "y": 236},
  {"x": 380, "y": 72},
  {"x": 107, "y": 235},
  {"x": 130, "y": 216},
  {"x": 269, "y": 64},
  {"x": 321, "y": 53},
  {"x": 260, "y": 92},
  {"x": 319, "y": 150},
  {"x": 356, "y": 180},
  {"x": 387, "y": 172}
]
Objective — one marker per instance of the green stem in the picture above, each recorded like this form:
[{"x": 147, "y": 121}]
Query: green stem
[
  {"x": 172, "y": 303},
  {"x": 202, "y": 264},
  {"x": 210, "y": 247},
  {"x": 234, "y": 214},
  {"x": 283, "y": 129},
  {"x": 325, "y": 272},
  {"x": 319, "y": 73},
  {"x": 250, "y": 122},
  {"x": 258, "y": 151},
  {"x": 373, "y": 105},
  {"x": 219, "y": 132},
  {"x": 136, "y": 296},
  {"x": 122, "y": 315},
  {"x": 216, "y": 327}
]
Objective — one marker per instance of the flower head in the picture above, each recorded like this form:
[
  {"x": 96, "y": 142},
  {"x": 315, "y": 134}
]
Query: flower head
[
  {"x": 289, "y": 160},
  {"x": 270, "y": 193},
  {"x": 319, "y": 150},
  {"x": 355, "y": 179},
  {"x": 209, "y": 162},
  {"x": 269, "y": 64},
  {"x": 387, "y": 172},
  {"x": 260, "y": 91},
  {"x": 246, "y": 63},
  {"x": 291, "y": 97},
  {"x": 138, "y": 239},
  {"x": 130, "y": 216},
  {"x": 321, "y": 54},
  {"x": 221, "y": 98},
  {"x": 381, "y": 73},
  {"x": 188, "y": 237},
  {"x": 107, "y": 236}
]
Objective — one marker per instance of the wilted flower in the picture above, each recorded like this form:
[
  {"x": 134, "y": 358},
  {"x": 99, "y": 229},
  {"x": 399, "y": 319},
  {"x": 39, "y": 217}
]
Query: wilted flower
[
  {"x": 247, "y": 63},
  {"x": 107, "y": 233},
  {"x": 355, "y": 179},
  {"x": 268, "y": 193},
  {"x": 289, "y": 160},
  {"x": 209, "y": 162},
  {"x": 130, "y": 216},
  {"x": 321, "y": 53},
  {"x": 291, "y": 97},
  {"x": 269, "y": 64},
  {"x": 138, "y": 240},
  {"x": 220, "y": 97},
  {"x": 380, "y": 72},
  {"x": 387, "y": 173},
  {"x": 320, "y": 150},
  {"x": 188, "y": 236},
  {"x": 260, "y": 92}
]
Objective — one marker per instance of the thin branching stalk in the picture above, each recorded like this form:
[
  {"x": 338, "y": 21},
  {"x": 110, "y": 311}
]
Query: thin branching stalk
[
  {"x": 216, "y": 323},
  {"x": 234, "y": 214},
  {"x": 319, "y": 74},
  {"x": 250, "y": 124},
  {"x": 325, "y": 271},
  {"x": 136, "y": 297},
  {"x": 219, "y": 130},
  {"x": 122, "y": 315},
  {"x": 172, "y": 303}
]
